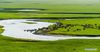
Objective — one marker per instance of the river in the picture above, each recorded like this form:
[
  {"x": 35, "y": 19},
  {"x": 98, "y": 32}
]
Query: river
[{"x": 15, "y": 28}]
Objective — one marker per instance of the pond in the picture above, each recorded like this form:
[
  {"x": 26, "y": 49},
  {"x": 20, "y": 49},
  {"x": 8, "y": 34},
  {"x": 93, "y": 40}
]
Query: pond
[{"x": 16, "y": 28}]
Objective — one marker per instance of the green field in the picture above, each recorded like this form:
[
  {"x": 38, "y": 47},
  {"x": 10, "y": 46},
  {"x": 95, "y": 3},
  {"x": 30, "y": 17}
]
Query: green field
[
  {"x": 53, "y": 5},
  {"x": 15, "y": 45},
  {"x": 76, "y": 27},
  {"x": 50, "y": 6},
  {"x": 58, "y": 10},
  {"x": 72, "y": 45},
  {"x": 43, "y": 16}
]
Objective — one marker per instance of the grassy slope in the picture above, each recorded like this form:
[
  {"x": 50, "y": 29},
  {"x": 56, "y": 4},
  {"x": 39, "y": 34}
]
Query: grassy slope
[
  {"x": 11, "y": 45},
  {"x": 88, "y": 31}
]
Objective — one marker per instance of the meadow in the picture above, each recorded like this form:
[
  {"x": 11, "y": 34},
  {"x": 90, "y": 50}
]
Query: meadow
[
  {"x": 83, "y": 13},
  {"x": 73, "y": 45},
  {"x": 45, "y": 16},
  {"x": 82, "y": 27},
  {"x": 52, "y": 10}
]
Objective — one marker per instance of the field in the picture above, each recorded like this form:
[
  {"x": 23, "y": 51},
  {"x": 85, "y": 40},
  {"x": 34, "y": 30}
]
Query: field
[
  {"x": 45, "y": 16},
  {"x": 52, "y": 6},
  {"x": 72, "y": 45},
  {"x": 15, "y": 45},
  {"x": 53, "y": 9},
  {"x": 85, "y": 21},
  {"x": 76, "y": 27}
]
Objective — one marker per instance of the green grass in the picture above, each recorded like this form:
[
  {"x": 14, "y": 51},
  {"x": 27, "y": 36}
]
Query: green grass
[
  {"x": 11, "y": 45},
  {"x": 72, "y": 45},
  {"x": 43, "y": 16},
  {"x": 76, "y": 21},
  {"x": 50, "y": 7},
  {"x": 8, "y": 44},
  {"x": 73, "y": 30},
  {"x": 63, "y": 31}
]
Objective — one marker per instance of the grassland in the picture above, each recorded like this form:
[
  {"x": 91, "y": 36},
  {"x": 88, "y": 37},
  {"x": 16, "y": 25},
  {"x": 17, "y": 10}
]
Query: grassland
[
  {"x": 77, "y": 27},
  {"x": 50, "y": 7},
  {"x": 72, "y": 45},
  {"x": 13, "y": 45},
  {"x": 53, "y": 7},
  {"x": 45, "y": 16},
  {"x": 8, "y": 44}
]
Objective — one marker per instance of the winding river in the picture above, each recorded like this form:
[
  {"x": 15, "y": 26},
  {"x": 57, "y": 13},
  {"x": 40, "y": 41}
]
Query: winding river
[{"x": 15, "y": 28}]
